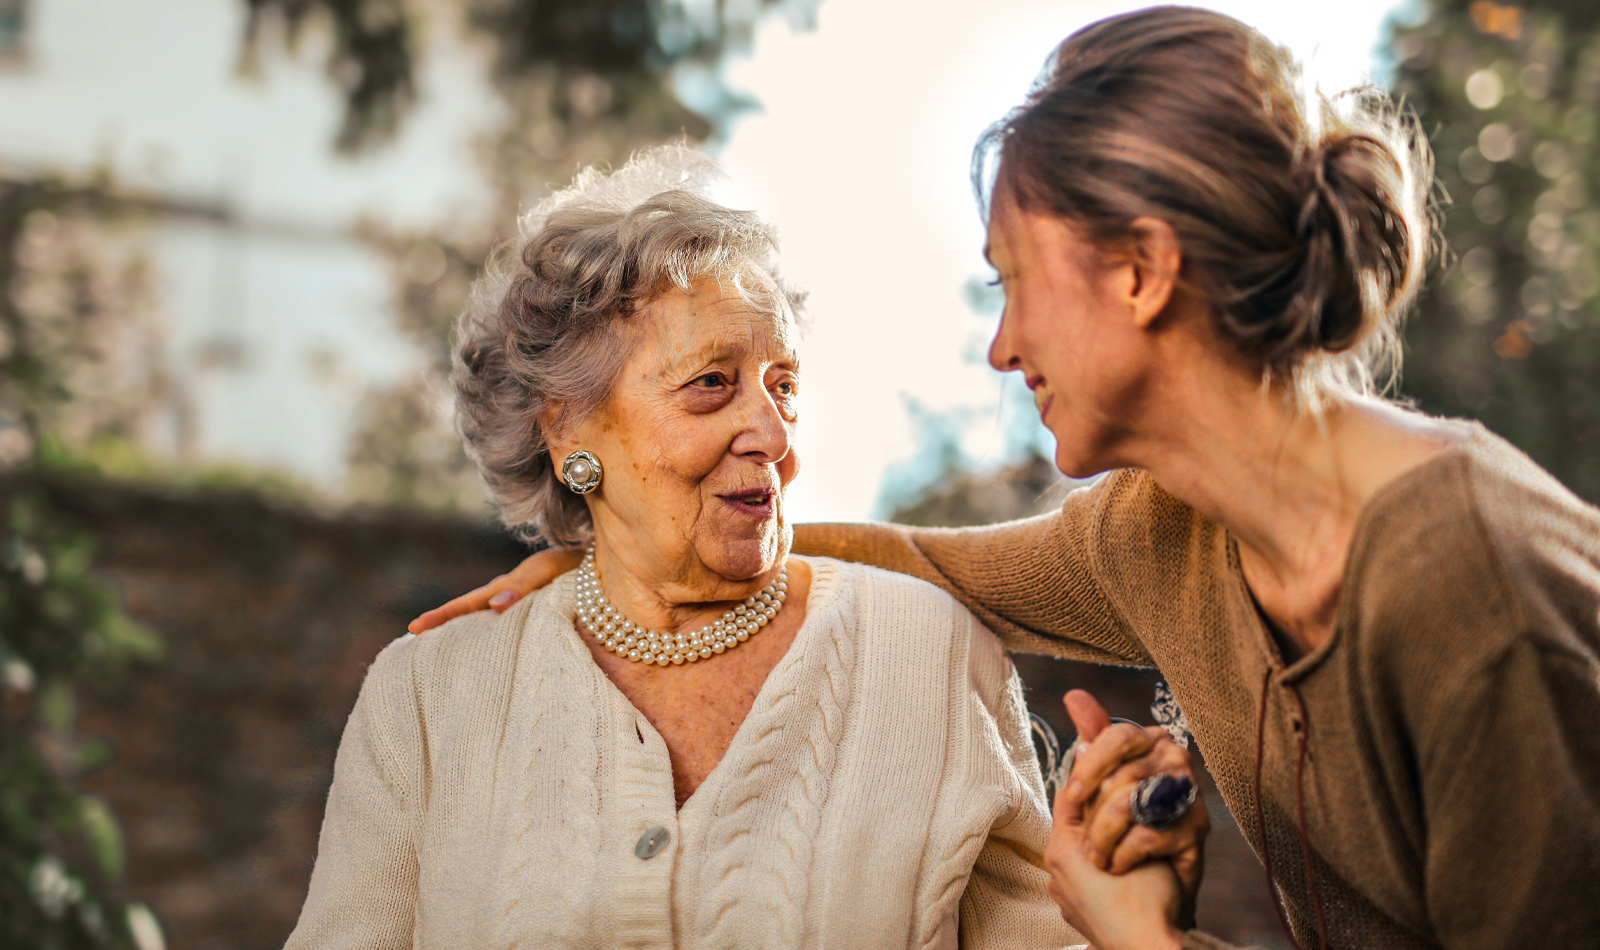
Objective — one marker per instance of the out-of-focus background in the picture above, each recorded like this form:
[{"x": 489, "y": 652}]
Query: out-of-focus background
[{"x": 233, "y": 237}]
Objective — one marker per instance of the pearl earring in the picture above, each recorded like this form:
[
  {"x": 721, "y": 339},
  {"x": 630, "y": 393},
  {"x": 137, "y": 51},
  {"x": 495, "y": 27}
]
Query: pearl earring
[{"x": 581, "y": 471}]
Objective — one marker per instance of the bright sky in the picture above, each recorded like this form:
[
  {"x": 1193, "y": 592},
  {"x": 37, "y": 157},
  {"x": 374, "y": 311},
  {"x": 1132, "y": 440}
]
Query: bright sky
[{"x": 860, "y": 156}]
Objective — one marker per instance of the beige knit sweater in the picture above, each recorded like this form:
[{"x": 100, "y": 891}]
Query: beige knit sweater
[
  {"x": 1443, "y": 746},
  {"x": 492, "y": 788}
]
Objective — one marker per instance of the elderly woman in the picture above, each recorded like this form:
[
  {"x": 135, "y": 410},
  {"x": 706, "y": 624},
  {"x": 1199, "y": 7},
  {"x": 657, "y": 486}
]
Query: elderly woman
[{"x": 694, "y": 739}]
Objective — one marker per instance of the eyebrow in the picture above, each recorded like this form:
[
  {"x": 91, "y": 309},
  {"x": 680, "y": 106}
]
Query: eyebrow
[{"x": 722, "y": 350}]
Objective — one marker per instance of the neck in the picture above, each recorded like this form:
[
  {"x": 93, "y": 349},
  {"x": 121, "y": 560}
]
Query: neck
[
  {"x": 1289, "y": 486},
  {"x": 673, "y": 599}
]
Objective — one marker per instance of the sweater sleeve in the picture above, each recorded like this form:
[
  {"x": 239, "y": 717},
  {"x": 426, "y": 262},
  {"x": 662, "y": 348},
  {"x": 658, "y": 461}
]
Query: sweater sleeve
[
  {"x": 1005, "y": 905},
  {"x": 364, "y": 884},
  {"x": 1031, "y": 581},
  {"x": 1511, "y": 790}
]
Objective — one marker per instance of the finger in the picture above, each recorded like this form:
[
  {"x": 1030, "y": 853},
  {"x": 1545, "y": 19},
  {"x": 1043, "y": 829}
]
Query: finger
[
  {"x": 1088, "y": 716},
  {"x": 1117, "y": 743},
  {"x": 1068, "y": 814},
  {"x": 537, "y": 570},
  {"x": 1190, "y": 867},
  {"x": 1062, "y": 851},
  {"x": 534, "y": 572},
  {"x": 1104, "y": 829},
  {"x": 1164, "y": 755},
  {"x": 1109, "y": 815},
  {"x": 1140, "y": 844},
  {"x": 467, "y": 603}
]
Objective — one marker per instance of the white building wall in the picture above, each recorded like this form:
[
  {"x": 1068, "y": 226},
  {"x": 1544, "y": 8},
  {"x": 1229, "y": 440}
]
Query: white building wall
[{"x": 277, "y": 319}]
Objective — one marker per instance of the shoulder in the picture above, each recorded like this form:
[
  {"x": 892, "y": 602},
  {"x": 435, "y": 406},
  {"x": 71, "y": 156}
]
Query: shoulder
[
  {"x": 1133, "y": 504},
  {"x": 1522, "y": 509},
  {"x": 1483, "y": 548},
  {"x": 911, "y": 619},
  {"x": 875, "y": 596},
  {"x": 465, "y": 658},
  {"x": 1144, "y": 532}
]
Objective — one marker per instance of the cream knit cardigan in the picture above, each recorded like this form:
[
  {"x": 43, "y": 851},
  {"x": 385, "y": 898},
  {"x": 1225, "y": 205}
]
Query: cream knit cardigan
[{"x": 492, "y": 786}]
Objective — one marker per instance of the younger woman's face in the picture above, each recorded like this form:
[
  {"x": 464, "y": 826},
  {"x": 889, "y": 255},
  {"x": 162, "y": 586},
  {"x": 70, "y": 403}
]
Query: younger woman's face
[{"x": 1067, "y": 327}]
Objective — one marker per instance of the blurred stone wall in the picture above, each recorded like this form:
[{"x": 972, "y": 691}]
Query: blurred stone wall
[{"x": 271, "y": 614}]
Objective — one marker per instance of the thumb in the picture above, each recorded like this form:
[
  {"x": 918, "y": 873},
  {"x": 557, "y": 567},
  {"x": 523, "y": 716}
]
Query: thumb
[{"x": 1088, "y": 716}]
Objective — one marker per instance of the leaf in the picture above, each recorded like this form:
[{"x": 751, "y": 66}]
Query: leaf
[{"x": 100, "y": 826}]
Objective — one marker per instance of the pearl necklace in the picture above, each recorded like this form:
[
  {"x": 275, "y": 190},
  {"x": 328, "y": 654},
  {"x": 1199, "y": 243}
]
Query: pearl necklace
[{"x": 621, "y": 636}]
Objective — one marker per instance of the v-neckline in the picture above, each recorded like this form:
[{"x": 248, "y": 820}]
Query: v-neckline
[
  {"x": 822, "y": 580},
  {"x": 1304, "y": 664}
]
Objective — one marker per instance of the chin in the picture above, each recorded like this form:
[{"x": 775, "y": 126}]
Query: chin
[
  {"x": 1076, "y": 464},
  {"x": 749, "y": 557}
]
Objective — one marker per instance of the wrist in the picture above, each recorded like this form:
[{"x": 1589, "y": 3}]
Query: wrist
[{"x": 1167, "y": 938}]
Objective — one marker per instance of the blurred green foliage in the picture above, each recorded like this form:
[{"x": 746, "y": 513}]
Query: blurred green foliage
[
  {"x": 62, "y": 855},
  {"x": 1510, "y": 334}
]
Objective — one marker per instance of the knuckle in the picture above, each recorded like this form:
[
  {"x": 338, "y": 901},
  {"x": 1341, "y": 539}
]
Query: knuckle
[
  {"x": 1127, "y": 736},
  {"x": 1141, "y": 848},
  {"x": 1119, "y": 804}
]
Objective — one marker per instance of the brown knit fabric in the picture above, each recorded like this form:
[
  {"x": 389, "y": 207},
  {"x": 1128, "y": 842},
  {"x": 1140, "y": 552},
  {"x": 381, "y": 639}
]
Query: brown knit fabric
[{"x": 1450, "y": 787}]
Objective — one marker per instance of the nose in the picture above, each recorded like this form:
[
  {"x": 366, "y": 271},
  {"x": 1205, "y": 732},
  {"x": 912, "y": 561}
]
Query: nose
[
  {"x": 1002, "y": 355},
  {"x": 763, "y": 435}
]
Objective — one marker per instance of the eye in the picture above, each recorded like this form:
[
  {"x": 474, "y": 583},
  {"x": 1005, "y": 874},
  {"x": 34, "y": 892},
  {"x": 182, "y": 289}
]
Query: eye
[
  {"x": 711, "y": 381},
  {"x": 786, "y": 387}
]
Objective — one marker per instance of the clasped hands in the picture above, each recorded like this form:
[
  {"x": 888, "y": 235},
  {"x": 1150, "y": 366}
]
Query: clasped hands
[{"x": 1124, "y": 886}]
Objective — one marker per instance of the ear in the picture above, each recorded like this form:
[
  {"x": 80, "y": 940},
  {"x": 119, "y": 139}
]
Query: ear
[
  {"x": 558, "y": 440},
  {"x": 1156, "y": 259}
]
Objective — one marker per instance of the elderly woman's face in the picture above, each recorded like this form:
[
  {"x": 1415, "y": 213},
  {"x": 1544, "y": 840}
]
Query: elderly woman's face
[{"x": 697, "y": 440}]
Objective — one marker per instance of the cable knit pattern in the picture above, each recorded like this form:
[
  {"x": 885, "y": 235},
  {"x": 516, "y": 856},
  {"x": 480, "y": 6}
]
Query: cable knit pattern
[
  {"x": 877, "y": 796},
  {"x": 1014, "y": 810},
  {"x": 548, "y": 824},
  {"x": 768, "y": 815},
  {"x": 947, "y": 881}
]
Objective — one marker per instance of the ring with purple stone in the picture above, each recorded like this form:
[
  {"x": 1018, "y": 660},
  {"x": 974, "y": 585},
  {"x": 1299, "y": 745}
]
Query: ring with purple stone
[{"x": 1161, "y": 801}]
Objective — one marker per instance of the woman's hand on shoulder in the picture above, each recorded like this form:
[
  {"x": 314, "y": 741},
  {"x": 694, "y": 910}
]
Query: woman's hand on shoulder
[{"x": 534, "y": 572}]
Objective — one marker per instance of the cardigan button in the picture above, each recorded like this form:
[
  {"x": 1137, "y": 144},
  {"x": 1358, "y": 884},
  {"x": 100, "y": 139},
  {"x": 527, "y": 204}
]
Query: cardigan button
[{"x": 652, "y": 842}]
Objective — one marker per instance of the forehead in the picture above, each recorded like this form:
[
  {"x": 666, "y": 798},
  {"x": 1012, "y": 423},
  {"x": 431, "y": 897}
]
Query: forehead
[
  {"x": 1000, "y": 233},
  {"x": 1020, "y": 236},
  {"x": 712, "y": 323}
]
